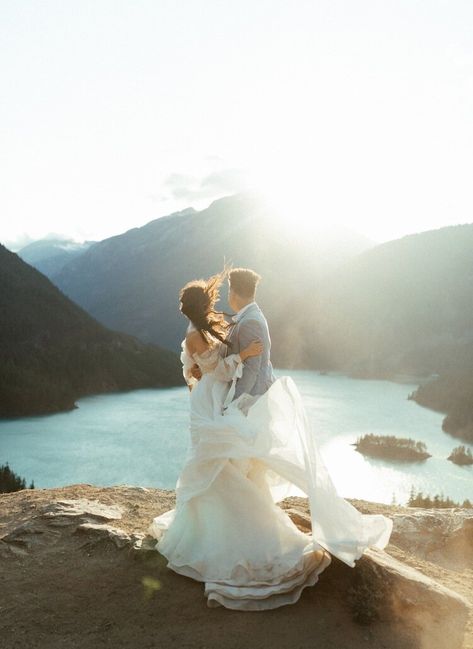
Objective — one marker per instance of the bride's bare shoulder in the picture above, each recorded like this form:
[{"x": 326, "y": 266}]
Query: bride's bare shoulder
[{"x": 195, "y": 343}]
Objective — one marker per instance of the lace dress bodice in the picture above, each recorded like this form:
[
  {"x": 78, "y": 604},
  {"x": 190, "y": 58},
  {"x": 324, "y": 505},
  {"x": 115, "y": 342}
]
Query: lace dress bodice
[
  {"x": 224, "y": 368},
  {"x": 207, "y": 361}
]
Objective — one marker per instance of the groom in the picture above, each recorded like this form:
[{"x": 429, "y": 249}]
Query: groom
[{"x": 249, "y": 324}]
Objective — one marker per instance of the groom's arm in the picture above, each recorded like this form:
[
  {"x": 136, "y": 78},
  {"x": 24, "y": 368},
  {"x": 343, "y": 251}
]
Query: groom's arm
[{"x": 248, "y": 331}]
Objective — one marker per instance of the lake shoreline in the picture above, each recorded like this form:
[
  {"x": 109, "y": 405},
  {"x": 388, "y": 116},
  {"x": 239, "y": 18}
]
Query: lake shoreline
[
  {"x": 401, "y": 379},
  {"x": 141, "y": 436}
]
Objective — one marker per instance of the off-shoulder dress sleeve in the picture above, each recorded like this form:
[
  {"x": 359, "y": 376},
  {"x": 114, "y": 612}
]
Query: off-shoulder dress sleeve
[
  {"x": 226, "y": 368},
  {"x": 187, "y": 362}
]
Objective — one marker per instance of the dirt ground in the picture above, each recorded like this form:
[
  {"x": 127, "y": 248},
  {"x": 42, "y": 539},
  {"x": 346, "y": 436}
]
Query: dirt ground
[{"x": 66, "y": 593}]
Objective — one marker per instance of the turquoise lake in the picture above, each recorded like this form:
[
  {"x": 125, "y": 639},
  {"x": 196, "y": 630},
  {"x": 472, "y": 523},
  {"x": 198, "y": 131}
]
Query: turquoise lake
[{"x": 141, "y": 437}]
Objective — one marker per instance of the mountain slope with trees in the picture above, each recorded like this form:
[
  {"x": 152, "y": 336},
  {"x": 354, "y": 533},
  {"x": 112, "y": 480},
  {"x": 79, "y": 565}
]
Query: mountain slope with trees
[
  {"x": 406, "y": 307},
  {"x": 402, "y": 306},
  {"x": 52, "y": 352}
]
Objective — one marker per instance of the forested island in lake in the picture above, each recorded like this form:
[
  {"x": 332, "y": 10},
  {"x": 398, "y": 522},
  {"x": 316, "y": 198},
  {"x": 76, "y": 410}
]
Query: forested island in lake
[
  {"x": 391, "y": 447},
  {"x": 461, "y": 455}
]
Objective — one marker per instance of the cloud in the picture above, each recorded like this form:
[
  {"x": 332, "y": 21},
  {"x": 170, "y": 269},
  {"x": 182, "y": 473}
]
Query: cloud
[
  {"x": 24, "y": 239},
  {"x": 188, "y": 187},
  {"x": 18, "y": 242}
]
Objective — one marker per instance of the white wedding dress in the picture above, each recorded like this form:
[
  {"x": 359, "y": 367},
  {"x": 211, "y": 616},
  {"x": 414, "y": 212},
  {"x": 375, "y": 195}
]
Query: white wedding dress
[{"x": 226, "y": 529}]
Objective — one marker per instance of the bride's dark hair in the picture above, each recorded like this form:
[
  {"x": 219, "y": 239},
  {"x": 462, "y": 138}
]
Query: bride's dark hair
[{"x": 198, "y": 299}]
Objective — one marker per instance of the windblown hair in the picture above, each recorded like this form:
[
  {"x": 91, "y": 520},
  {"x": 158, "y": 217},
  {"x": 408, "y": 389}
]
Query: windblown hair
[
  {"x": 198, "y": 300},
  {"x": 244, "y": 281}
]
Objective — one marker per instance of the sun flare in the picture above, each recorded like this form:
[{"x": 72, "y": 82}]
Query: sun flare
[{"x": 291, "y": 197}]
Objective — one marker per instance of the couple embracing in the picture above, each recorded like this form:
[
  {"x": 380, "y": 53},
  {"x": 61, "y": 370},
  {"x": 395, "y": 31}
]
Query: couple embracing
[{"x": 251, "y": 446}]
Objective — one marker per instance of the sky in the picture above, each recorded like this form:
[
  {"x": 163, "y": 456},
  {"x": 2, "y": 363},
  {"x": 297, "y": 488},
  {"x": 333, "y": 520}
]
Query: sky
[{"x": 116, "y": 112}]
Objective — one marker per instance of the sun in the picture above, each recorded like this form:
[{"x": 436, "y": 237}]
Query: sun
[{"x": 290, "y": 194}]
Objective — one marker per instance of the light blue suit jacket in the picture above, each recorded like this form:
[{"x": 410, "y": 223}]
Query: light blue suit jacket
[{"x": 257, "y": 371}]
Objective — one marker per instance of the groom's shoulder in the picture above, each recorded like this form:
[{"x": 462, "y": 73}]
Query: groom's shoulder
[
  {"x": 255, "y": 314},
  {"x": 259, "y": 311},
  {"x": 252, "y": 313}
]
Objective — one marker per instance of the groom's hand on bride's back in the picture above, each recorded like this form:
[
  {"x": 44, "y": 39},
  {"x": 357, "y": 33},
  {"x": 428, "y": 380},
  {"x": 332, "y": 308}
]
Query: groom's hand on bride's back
[{"x": 196, "y": 372}]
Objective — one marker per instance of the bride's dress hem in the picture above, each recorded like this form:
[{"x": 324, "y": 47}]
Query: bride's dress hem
[
  {"x": 244, "y": 573},
  {"x": 264, "y": 598},
  {"x": 246, "y": 593}
]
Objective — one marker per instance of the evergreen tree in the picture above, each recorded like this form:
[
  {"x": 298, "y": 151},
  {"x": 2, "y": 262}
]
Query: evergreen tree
[{"x": 9, "y": 481}]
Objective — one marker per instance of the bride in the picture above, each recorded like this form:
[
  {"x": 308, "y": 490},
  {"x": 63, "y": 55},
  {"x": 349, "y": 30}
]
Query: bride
[{"x": 226, "y": 529}]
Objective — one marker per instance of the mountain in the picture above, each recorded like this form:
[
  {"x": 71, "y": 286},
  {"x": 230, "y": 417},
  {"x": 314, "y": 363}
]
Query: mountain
[
  {"x": 405, "y": 307},
  {"x": 52, "y": 352},
  {"x": 452, "y": 393},
  {"x": 50, "y": 255},
  {"x": 131, "y": 281}
]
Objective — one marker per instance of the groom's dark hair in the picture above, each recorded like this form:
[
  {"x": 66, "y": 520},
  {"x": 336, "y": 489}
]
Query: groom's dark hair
[{"x": 244, "y": 281}]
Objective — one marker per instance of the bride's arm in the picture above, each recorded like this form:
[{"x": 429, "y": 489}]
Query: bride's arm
[
  {"x": 192, "y": 343},
  {"x": 226, "y": 367},
  {"x": 187, "y": 363}
]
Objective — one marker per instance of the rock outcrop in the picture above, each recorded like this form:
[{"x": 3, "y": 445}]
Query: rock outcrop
[
  {"x": 78, "y": 569},
  {"x": 442, "y": 536}
]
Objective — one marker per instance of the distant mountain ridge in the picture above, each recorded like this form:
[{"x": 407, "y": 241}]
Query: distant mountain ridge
[
  {"x": 404, "y": 306},
  {"x": 131, "y": 281},
  {"x": 50, "y": 255},
  {"x": 52, "y": 352}
]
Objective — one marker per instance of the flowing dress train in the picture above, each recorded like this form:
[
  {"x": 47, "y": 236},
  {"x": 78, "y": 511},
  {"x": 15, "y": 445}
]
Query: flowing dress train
[{"x": 226, "y": 529}]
